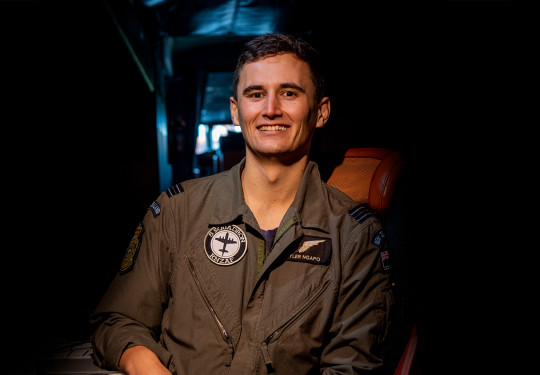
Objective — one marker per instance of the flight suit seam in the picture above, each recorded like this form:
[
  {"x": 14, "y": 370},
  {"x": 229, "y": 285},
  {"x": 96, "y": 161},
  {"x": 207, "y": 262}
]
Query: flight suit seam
[
  {"x": 173, "y": 240},
  {"x": 355, "y": 236}
]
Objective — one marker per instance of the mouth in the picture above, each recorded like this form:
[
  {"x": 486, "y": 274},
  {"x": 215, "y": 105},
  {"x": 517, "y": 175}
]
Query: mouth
[{"x": 266, "y": 128}]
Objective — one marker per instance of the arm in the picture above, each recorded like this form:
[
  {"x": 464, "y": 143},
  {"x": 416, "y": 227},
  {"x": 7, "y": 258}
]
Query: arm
[
  {"x": 139, "y": 360},
  {"x": 131, "y": 310},
  {"x": 364, "y": 300}
]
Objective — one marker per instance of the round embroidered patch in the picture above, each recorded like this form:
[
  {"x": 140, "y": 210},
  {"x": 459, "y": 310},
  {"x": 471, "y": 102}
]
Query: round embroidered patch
[{"x": 225, "y": 245}]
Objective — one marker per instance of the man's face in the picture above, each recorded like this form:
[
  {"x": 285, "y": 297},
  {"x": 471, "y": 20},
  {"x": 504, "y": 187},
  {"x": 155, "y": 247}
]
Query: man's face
[{"x": 276, "y": 107}]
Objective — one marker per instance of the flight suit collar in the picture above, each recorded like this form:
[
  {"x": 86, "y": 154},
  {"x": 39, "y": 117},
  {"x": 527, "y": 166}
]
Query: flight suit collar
[
  {"x": 307, "y": 215},
  {"x": 229, "y": 203},
  {"x": 307, "y": 207},
  {"x": 309, "y": 204}
]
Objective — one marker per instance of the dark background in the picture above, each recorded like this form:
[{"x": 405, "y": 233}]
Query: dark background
[{"x": 454, "y": 85}]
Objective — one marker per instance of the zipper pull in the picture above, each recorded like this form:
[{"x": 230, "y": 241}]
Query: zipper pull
[{"x": 266, "y": 357}]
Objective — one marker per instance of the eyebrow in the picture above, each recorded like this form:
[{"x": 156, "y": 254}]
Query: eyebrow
[
  {"x": 285, "y": 85},
  {"x": 251, "y": 88}
]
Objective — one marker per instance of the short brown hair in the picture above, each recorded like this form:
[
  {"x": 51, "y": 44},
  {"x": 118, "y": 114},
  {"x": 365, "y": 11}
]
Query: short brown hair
[{"x": 277, "y": 44}]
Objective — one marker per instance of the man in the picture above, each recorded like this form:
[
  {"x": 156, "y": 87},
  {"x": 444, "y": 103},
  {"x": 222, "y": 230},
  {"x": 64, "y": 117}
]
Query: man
[{"x": 260, "y": 269}]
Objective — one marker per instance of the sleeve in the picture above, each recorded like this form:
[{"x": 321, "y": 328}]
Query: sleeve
[
  {"x": 130, "y": 312},
  {"x": 365, "y": 298}
]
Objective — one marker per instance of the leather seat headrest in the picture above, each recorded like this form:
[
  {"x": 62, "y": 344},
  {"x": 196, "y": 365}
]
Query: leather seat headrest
[{"x": 369, "y": 175}]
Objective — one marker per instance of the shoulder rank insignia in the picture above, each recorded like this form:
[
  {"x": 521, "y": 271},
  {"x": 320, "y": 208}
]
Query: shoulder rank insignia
[
  {"x": 174, "y": 190},
  {"x": 361, "y": 213},
  {"x": 132, "y": 251}
]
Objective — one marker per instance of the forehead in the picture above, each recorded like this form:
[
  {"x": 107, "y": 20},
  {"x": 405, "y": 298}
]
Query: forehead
[{"x": 276, "y": 70}]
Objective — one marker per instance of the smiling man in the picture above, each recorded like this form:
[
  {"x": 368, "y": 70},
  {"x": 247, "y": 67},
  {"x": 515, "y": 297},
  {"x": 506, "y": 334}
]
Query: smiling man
[
  {"x": 277, "y": 105},
  {"x": 260, "y": 269}
]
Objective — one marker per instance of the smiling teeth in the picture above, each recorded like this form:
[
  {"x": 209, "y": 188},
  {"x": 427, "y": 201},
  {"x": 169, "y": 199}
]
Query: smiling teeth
[{"x": 272, "y": 127}]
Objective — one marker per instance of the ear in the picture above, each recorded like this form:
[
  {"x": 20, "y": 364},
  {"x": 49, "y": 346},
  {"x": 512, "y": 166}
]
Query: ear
[
  {"x": 234, "y": 111},
  {"x": 323, "y": 112}
]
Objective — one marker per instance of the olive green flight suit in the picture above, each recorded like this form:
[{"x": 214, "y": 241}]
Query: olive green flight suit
[{"x": 200, "y": 288}]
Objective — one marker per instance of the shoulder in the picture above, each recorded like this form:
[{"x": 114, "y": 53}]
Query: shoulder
[
  {"x": 189, "y": 192},
  {"x": 195, "y": 186},
  {"x": 341, "y": 204},
  {"x": 337, "y": 200},
  {"x": 354, "y": 221}
]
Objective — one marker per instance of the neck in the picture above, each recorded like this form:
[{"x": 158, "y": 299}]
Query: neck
[{"x": 270, "y": 187}]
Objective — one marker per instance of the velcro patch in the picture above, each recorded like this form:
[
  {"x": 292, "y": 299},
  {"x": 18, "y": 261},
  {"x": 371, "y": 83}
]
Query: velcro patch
[
  {"x": 225, "y": 245},
  {"x": 314, "y": 250},
  {"x": 133, "y": 250},
  {"x": 379, "y": 240},
  {"x": 385, "y": 260},
  {"x": 361, "y": 213},
  {"x": 155, "y": 209}
]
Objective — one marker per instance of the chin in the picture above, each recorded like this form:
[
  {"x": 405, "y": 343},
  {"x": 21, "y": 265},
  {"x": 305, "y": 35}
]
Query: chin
[{"x": 271, "y": 149}]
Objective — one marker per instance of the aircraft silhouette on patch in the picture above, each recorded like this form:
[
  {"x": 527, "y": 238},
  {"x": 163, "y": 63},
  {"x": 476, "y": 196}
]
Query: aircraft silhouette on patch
[{"x": 226, "y": 241}]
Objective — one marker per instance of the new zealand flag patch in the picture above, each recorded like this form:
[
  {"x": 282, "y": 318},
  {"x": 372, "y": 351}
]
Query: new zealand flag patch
[
  {"x": 379, "y": 240},
  {"x": 314, "y": 250}
]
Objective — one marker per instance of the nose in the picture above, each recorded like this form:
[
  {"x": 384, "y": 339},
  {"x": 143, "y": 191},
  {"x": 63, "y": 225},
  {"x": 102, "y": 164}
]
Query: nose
[{"x": 272, "y": 108}]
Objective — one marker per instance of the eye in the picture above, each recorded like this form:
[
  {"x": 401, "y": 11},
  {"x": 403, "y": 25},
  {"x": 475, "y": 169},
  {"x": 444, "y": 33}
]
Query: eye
[
  {"x": 289, "y": 94},
  {"x": 255, "y": 95}
]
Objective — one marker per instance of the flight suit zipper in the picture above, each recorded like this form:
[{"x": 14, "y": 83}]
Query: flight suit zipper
[
  {"x": 276, "y": 333},
  {"x": 213, "y": 313}
]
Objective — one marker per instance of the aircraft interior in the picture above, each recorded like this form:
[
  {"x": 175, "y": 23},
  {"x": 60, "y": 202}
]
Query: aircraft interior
[{"x": 121, "y": 99}]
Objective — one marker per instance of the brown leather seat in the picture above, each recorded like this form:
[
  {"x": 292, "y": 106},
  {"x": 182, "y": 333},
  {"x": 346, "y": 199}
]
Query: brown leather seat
[{"x": 369, "y": 175}]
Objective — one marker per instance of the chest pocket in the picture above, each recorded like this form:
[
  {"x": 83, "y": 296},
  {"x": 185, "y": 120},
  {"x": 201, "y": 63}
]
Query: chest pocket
[
  {"x": 297, "y": 308},
  {"x": 293, "y": 289}
]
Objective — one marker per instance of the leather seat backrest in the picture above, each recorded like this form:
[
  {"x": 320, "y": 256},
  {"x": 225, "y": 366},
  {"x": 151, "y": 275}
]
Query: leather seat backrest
[{"x": 369, "y": 175}]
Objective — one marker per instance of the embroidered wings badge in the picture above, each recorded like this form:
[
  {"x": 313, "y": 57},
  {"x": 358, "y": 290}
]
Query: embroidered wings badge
[
  {"x": 314, "y": 250},
  {"x": 306, "y": 245}
]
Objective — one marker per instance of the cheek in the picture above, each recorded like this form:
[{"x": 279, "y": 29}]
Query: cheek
[
  {"x": 301, "y": 112},
  {"x": 248, "y": 113},
  {"x": 307, "y": 118}
]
